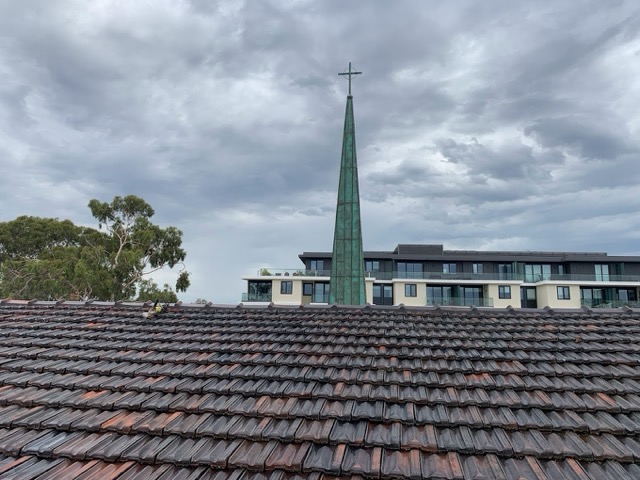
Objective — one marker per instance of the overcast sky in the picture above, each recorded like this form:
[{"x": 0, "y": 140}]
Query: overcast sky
[{"x": 480, "y": 125}]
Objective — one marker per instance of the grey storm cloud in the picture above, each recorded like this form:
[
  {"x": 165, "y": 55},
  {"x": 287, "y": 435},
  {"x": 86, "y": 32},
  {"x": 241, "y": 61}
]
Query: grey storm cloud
[
  {"x": 588, "y": 139},
  {"x": 479, "y": 124}
]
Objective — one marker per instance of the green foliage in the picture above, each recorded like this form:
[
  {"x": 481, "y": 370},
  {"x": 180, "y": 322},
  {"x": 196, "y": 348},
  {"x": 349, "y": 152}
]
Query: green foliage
[
  {"x": 149, "y": 290},
  {"x": 27, "y": 237},
  {"x": 49, "y": 258}
]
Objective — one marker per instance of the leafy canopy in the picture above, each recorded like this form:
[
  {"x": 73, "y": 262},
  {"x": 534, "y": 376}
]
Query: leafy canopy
[{"x": 50, "y": 258}]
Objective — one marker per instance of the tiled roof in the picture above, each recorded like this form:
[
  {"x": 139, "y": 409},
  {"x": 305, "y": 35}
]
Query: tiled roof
[{"x": 282, "y": 393}]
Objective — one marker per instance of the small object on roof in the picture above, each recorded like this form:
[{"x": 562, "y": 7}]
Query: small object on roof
[{"x": 155, "y": 310}]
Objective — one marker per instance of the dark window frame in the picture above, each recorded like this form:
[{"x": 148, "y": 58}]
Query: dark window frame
[
  {"x": 410, "y": 289},
  {"x": 305, "y": 286},
  {"x": 316, "y": 265},
  {"x": 563, "y": 292},
  {"x": 372, "y": 265},
  {"x": 446, "y": 268},
  {"x": 286, "y": 287},
  {"x": 504, "y": 292}
]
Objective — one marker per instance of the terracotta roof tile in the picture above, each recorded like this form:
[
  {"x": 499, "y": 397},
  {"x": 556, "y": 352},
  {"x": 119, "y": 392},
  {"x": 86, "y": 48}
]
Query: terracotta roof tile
[
  {"x": 324, "y": 459},
  {"x": 279, "y": 394}
]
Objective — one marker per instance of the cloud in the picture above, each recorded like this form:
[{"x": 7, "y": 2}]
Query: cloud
[{"x": 506, "y": 125}]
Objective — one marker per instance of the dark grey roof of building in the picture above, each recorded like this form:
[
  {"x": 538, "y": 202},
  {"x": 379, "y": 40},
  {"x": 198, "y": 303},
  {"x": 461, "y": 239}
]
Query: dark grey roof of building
[
  {"x": 100, "y": 392},
  {"x": 437, "y": 253}
]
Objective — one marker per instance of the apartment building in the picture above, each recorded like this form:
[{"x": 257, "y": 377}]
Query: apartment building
[{"x": 420, "y": 275}]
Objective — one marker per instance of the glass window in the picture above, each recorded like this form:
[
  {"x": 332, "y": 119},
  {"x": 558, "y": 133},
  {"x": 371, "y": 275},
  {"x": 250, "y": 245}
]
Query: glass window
[
  {"x": 372, "y": 266},
  {"x": 259, "y": 291},
  {"x": 471, "y": 295},
  {"x": 504, "y": 291},
  {"x": 442, "y": 295},
  {"x": 537, "y": 273},
  {"x": 316, "y": 265},
  {"x": 409, "y": 270},
  {"x": 320, "y": 292},
  {"x": 563, "y": 293},
  {"x": 561, "y": 270},
  {"x": 602, "y": 272},
  {"x": 448, "y": 268},
  {"x": 382, "y": 294},
  {"x": 627, "y": 294},
  {"x": 528, "y": 297},
  {"x": 505, "y": 271},
  {"x": 286, "y": 287},
  {"x": 592, "y": 297},
  {"x": 307, "y": 289},
  {"x": 478, "y": 268},
  {"x": 410, "y": 290}
]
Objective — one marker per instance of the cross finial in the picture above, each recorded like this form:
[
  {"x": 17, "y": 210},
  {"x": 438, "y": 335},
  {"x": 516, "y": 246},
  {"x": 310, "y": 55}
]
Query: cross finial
[{"x": 350, "y": 74}]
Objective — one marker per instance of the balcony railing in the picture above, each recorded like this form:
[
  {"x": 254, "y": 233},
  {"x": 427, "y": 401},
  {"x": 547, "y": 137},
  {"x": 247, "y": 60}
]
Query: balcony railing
[
  {"x": 461, "y": 302},
  {"x": 292, "y": 272},
  {"x": 609, "y": 303},
  {"x": 592, "y": 277},
  {"x": 476, "y": 277},
  {"x": 256, "y": 297},
  {"x": 320, "y": 298}
]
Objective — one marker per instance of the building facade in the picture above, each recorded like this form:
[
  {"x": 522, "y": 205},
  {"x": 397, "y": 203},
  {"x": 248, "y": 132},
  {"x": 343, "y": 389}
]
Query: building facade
[{"x": 422, "y": 275}]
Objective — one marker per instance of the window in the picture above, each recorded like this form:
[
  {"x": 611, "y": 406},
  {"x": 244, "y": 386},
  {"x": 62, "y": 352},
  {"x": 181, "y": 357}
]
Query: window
[
  {"x": 537, "y": 273},
  {"x": 561, "y": 270},
  {"x": 320, "y": 292},
  {"x": 478, "y": 268},
  {"x": 528, "y": 297},
  {"x": 259, "y": 291},
  {"x": 286, "y": 288},
  {"x": 316, "y": 265},
  {"x": 382, "y": 294},
  {"x": 307, "y": 289},
  {"x": 626, "y": 295},
  {"x": 440, "y": 295},
  {"x": 602, "y": 272},
  {"x": 448, "y": 268},
  {"x": 592, "y": 297},
  {"x": 372, "y": 266},
  {"x": 409, "y": 270},
  {"x": 471, "y": 296},
  {"x": 563, "y": 293},
  {"x": 504, "y": 291},
  {"x": 505, "y": 271},
  {"x": 410, "y": 290}
]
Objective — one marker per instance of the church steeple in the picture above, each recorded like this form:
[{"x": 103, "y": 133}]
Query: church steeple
[{"x": 347, "y": 267}]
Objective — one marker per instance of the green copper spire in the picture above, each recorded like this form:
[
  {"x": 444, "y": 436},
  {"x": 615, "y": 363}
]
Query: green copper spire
[{"x": 347, "y": 267}]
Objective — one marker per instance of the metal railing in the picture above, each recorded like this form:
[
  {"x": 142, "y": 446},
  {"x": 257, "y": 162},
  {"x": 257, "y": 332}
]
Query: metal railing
[
  {"x": 256, "y": 297},
  {"x": 292, "y": 272},
  {"x": 320, "y": 298},
  {"x": 477, "y": 277},
  {"x": 461, "y": 302},
  {"x": 609, "y": 303}
]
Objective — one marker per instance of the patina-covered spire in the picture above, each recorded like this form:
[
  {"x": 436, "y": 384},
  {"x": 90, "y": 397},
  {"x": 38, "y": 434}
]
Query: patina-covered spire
[{"x": 347, "y": 266}]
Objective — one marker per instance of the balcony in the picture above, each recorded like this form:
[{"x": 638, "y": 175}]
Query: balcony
[
  {"x": 256, "y": 297},
  {"x": 461, "y": 302},
  {"x": 475, "y": 277},
  {"x": 292, "y": 272},
  {"x": 609, "y": 303},
  {"x": 320, "y": 298},
  {"x": 592, "y": 277}
]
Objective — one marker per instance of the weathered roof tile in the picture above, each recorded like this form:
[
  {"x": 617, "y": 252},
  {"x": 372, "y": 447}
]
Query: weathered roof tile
[{"x": 334, "y": 393}]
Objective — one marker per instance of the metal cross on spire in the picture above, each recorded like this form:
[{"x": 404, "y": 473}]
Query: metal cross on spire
[{"x": 349, "y": 75}]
